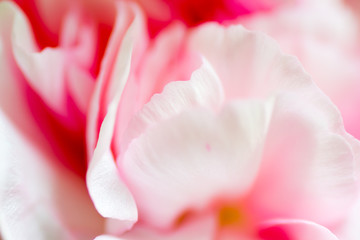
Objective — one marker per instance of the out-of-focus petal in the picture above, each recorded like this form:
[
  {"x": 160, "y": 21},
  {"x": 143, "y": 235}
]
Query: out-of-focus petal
[
  {"x": 199, "y": 229},
  {"x": 13, "y": 101},
  {"x": 294, "y": 230},
  {"x": 47, "y": 71},
  {"x": 349, "y": 229},
  {"x": 107, "y": 237},
  {"x": 192, "y": 13},
  {"x": 25, "y": 211},
  {"x": 308, "y": 169},
  {"x": 32, "y": 193},
  {"x": 319, "y": 34}
]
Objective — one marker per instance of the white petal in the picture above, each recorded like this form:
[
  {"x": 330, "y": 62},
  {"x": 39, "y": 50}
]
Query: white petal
[
  {"x": 203, "y": 228},
  {"x": 309, "y": 158},
  {"x": 38, "y": 199},
  {"x": 308, "y": 168},
  {"x": 107, "y": 237},
  {"x": 244, "y": 61},
  {"x": 109, "y": 194},
  {"x": 204, "y": 89},
  {"x": 191, "y": 159}
]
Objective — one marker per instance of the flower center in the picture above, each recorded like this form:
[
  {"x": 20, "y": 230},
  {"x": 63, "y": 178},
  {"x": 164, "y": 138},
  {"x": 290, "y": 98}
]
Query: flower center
[{"x": 231, "y": 216}]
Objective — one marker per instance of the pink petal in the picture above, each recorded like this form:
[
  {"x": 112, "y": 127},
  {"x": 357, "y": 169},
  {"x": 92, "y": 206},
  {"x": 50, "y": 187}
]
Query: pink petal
[
  {"x": 34, "y": 190},
  {"x": 319, "y": 161},
  {"x": 165, "y": 59},
  {"x": 81, "y": 87},
  {"x": 47, "y": 71},
  {"x": 319, "y": 34},
  {"x": 13, "y": 100},
  {"x": 294, "y": 230},
  {"x": 39, "y": 199},
  {"x": 308, "y": 168},
  {"x": 108, "y": 76},
  {"x": 109, "y": 194},
  {"x": 349, "y": 229},
  {"x": 199, "y": 229}
]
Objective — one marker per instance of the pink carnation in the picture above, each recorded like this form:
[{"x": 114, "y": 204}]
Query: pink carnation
[{"x": 203, "y": 133}]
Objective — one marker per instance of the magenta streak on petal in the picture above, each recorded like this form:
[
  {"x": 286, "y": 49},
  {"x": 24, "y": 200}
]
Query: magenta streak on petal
[
  {"x": 67, "y": 142},
  {"x": 208, "y": 147},
  {"x": 44, "y": 37},
  {"x": 273, "y": 233}
]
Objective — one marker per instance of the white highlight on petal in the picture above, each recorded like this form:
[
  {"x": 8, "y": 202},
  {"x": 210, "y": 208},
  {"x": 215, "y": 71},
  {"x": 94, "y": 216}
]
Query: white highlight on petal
[{"x": 109, "y": 194}]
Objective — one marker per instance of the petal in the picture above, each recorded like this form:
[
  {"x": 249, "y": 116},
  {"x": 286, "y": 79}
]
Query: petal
[
  {"x": 157, "y": 9},
  {"x": 350, "y": 228},
  {"x": 81, "y": 87},
  {"x": 204, "y": 89},
  {"x": 308, "y": 168},
  {"x": 13, "y": 101},
  {"x": 319, "y": 34},
  {"x": 249, "y": 64},
  {"x": 47, "y": 71},
  {"x": 244, "y": 61},
  {"x": 107, "y": 237},
  {"x": 109, "y": 194},
  {"x": 109, "y": 71},
  {"x": 306, "y": 135},
  {"x": 33, "y": 192},
  {"x": 199, "y": 229},
  {"x": 197, "y": 154},
  {"x": 56, "y": 126},
  {"x": 294, "y": 230},
  {"x": 166, "y": 59},
  {"x": 39, "y": 200},
  {"x": 25, "y": 212}
]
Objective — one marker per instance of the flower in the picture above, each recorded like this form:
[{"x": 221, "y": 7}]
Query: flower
[
  {"x": 249, "y": 147},
  {"x": 203, "y": 133},
  {"x": 326, "y": 33},
  {"x": 160, "y": 13},
  {"x": 45, "y": 92}
]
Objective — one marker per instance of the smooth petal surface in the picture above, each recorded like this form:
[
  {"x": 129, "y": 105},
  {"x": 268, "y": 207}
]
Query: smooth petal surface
[
  {"x": 103, "y": 93},
  {"x": 204, "y": 89},
  {"x": 294, "y": 230},
  {"x": 109, "y": 194},
  {"x": 319, "y": 34},
  {"x": 324, "y": 177},
  {"x": 317, "y": 177},
  {"x": 13, "y": 101},
  {"x": 165, "y": 59},
  {"x": 107, "y": 237},
  {"x": 199, "y": 229},
  {"x": 246, "y": 62},
  {"x": 349, "y": 229},
  {"x": 197, "y": 154},
  {"x": 298, "y": 126}
]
